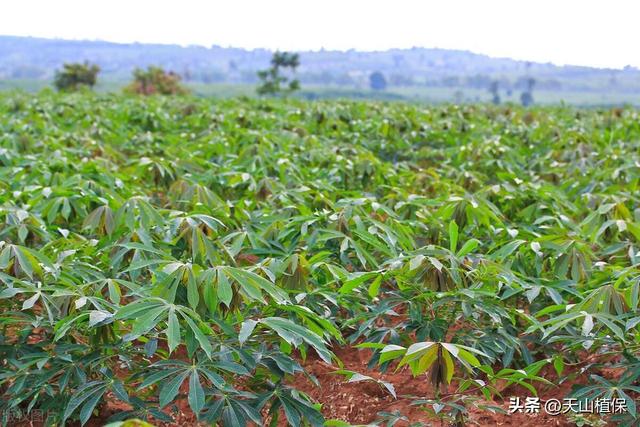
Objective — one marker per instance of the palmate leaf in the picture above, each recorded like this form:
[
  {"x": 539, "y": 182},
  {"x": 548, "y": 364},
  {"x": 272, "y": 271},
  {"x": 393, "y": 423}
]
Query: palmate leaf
[
  {"x": 253, "y": 284},
  {"x": 295, "y": 335},
  {"x": 183, "y": 216},
  {"x": 172, "y": 374},
  {"x": 25, "y": 260},
  {"x": 386, "y": 248},
  {"x": 88, "y": 395},
  {"x": 136, "y": 211},
  {"x": 421, "y": 357},
  {"x": 356, "y": 279},
  {"x": 587, "y": 321},
  {"x": 232, "y": 411},
  {"x": 295, "y": 405},
  {"x": 195, "y": 230},
  {"x": 147, "y": 314},
  {"x": 100, "y": 220},
  {"x": 318, "y": 324},
  {"x": 248, "y": 284}
]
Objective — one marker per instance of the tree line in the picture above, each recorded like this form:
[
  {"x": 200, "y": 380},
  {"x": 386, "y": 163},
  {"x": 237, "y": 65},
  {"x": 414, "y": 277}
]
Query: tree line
[{"x": 277, "y": 80}]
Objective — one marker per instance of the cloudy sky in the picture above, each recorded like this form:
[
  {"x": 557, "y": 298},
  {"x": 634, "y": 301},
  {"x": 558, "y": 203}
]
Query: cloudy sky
[{"x": 582, "y": 32}]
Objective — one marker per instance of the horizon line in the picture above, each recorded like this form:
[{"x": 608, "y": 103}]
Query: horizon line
[{"x": 322, "y": 49}]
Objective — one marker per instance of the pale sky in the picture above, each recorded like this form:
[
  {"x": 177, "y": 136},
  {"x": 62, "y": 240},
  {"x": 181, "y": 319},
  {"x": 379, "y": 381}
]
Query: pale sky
[{"x": 581, "y": 32}]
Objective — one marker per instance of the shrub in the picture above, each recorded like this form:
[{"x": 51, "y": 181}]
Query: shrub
[
  {"x": 155, "y": 80},
  {"x": 75, "y": 76}
]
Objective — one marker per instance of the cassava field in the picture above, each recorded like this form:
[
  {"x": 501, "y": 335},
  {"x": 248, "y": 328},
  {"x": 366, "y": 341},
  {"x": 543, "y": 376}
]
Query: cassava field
[{"x": 251, "y": 262}]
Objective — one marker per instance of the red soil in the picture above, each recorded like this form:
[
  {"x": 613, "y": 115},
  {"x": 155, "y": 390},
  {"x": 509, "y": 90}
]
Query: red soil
[{"x": 360, "y": 402}]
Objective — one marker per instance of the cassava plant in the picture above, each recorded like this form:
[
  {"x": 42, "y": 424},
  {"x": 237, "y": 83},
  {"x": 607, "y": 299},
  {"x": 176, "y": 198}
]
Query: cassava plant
[{"x": 165, "y": 253}]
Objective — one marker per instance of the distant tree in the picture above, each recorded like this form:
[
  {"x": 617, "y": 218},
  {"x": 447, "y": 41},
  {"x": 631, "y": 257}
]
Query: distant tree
[
  {"x": 74, "y": 76},
  {"x": 493, "y": 89},
  {"x": 344, "y": 79},
  {"x": 27, "y": 72},
  {"x": 186, "y": 74},
  {"x": 450, "y": 81},
  {"x": 272, "y": 81},
  {"x": 155, "y": 80},
  {"x": 211, "y": 76},
  {"x": 397, "y": 79},
  {"x": 526, "y": 98},
  {"x": 377, "y": 81},
  {"x": 480, "y": 81}
]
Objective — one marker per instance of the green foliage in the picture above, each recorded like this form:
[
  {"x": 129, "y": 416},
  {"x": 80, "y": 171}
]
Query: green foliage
[
  {"x": 76, "y": 76},
  {"x": 155, "y": 81},
  {"x": 272, "y": 80},
  {"x": 161, "y": 250}
]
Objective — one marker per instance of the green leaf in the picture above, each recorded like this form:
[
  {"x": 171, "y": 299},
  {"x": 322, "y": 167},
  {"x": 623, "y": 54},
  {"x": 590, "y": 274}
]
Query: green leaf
[
  {"x": 558, "y": 364},
  {"x": 416, "y": 262},
  {"x": 507, "y": 249},
  {"x": 196, "y": 393},
  {"x": 468, "y": 247},
  {"x": 84, "y": 393},
  {"x": 28, "y": 303},
  {"x": 453, "y": 236},
  {"x": 170, "y": 389},
  {"x": 374, "y": 288},
  {"x": 424, "y": 363},
  {"x": 200, "y": 337},
  {"x": 449, "y": 365},
  {"x": 356, "y": 280},
  {"x": 137, "y": 265},
  {"x": 90, "y": 404},
  {"x": 293, "y": 334},
  {"x": 147, "y": 321},
  {"x": 467, "y": 358},
  {"x": 173, "y": 331},
  {"x": 391, "y": 352},
  {"x": 415, "y": 351},
  {"x": 225, "y": 293},
  {"x": 246, "y": 329},
  {"x": 193, "y": 293},
  {"x": 141, "y": 247},
  {"x": 135, "y": 309},
  {"x": 253, "y": 284},
  {"x": 157, "y": 376}
]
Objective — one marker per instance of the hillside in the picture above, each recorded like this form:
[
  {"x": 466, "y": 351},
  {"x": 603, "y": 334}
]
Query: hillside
[{"x": 410, "y": 73}]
